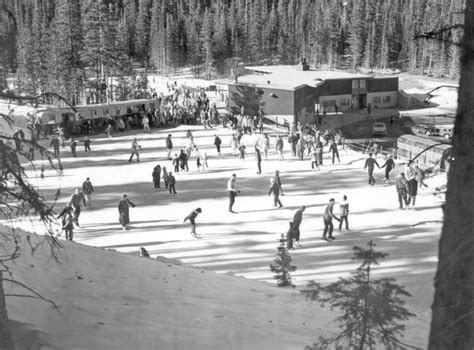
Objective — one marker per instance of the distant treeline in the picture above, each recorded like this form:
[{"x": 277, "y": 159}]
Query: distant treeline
[{"x": 59, "y": 45}]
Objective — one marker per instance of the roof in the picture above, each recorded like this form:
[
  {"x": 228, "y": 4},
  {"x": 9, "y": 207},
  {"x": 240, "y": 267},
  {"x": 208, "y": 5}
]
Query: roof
[
  {"x": 290, "y": 77},
  {"x": 428, "y": 112}
]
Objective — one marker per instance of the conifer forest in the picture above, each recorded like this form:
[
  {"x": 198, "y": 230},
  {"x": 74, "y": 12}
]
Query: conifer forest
[{"x": 65, "y": 46}]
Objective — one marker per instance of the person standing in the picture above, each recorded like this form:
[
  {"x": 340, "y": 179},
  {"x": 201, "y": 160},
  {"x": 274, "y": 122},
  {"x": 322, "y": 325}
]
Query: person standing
[
  {"x": 242, "y": 151},
  {"x": 327, "y": 219},
  {"x": 217, "y": 143},
  {"x": 319, "y": 151},
  {"x": 420, "y": 176},
  {"x": 88, "y": 189},
  {"x": 146, "y": 123},
  {"x": 135, "y": 150},
  {"x": 192, "y": 219},
  {"x": 275, "y": 189},
  {"x": 370, "y": 165},
  {"x": 87, "y": 143},
  {"x": 344, "y": 212},
  {"x": 156, "y": 175},
  {"x": 169, "y": 146},
  {"x": 55, "y": 145},
  {"x": 73, "y": 147},
  {"x": 295, "y": 225},
  {"x": 258, "y": 158},
  {"x": 401, "y": 186},
  {"x": 389, "y": 166},
  {"x": 124, "y": 211},
  {"x": 67, "y": 221},
  {"x": 175, "y": 163},
  {"x": 279, "y": 147},
  {"x": 171, "y": 183},
  {"x": 75, "y": 202},
  {"x": 165, "y": 177},
  {"x": 293, "y": 140},
  {"x": 232, "y": 190},
  {"x": 278, "y": 181},
  {"x": 412, "y": 189},
  {"x": 314, "y": 156},
  {"x": 335, "y": 152},
  {"x": 265, "y": 145}
]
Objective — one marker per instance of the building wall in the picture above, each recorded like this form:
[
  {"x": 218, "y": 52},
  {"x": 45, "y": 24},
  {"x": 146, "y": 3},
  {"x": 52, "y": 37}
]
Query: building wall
[
  {"x": 383, "y": 99},
  {"x": 304, "y": 104},
  {"x": 328, "y": 103}
]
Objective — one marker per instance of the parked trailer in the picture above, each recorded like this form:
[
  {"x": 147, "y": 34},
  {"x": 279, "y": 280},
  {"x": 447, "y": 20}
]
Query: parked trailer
[{"x": 423, "y": 150}]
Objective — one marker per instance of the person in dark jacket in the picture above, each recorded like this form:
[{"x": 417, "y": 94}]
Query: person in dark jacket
[
  {"x": 278, "y": 181},
  {"x": 124, "y": 211},
  {"x": 171, "y": 183},
  {"x": 258, "y": 158},
  {"x": 87, "y": 143},
  {"x": 217, "y": 143},
  {"x": 73, "y": 147},
  {"x": 295, "y": 225},
  {"x": 169, "y": 146},
  {"x": 370, "y": 164},
  {"x": 175, "y": 163},
  {"x": 67, "y": 221},
  {"x": 192, "y": 219},
  {"x": 401, "y": 186},
  {"x": 88, "y": 189},
  {"x": 344, "y": 213},
  {"x": 55, "y": 145},
  {"x": 327, "y": 219},
  {"x": 156, "y": 174},
  {"x": 389, "y": 166},
  {"x": 279, "y": 147},
  {"x": 319, "y": 152},
  {"x": 293, "y": 140},
  {"x": 290, "y": 236},
  {"x": 275, "y": 189},
  {"x": 75, "y": 202},
  {"x": 412, "y": 189},
  {"x": 335, "y": 152},
  {"x": 183, "y": 161}
]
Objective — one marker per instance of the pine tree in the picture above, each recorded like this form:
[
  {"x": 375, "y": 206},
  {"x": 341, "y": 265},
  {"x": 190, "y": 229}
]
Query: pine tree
[
  {"x": 142, "y": 31},
  {"x": 372, "y": 310},
  {"x": 281, "y": 266}
]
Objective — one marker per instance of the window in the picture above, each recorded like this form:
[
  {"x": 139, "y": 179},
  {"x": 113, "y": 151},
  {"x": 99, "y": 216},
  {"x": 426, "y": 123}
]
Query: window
[
  {"x": 376, "y": 99},
  {"x": 329, "y": 103},
  {"x": 362, "y": 84},
  {"x": 355, "y": 84},
  {"x": 386, "y": 99},
  {"x": 345, "y": 102}
]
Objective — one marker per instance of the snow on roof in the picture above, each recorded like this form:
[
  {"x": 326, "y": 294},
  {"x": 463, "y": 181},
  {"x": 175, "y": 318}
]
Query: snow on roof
[
  {"x": 291, "y": 77},
  {"x": 433, "y": 111}
]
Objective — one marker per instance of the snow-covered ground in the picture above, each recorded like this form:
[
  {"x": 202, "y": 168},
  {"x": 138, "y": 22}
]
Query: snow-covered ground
[{"x": 243, "y": 244}]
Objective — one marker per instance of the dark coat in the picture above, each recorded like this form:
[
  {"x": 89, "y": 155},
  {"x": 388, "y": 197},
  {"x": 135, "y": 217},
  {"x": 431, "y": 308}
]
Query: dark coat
[
  {"x": 169, "y": 143},
  {"x": 412, "y": 187},
  {"x": 124, "y": 210},
  {"x": 275, "y": 189}
]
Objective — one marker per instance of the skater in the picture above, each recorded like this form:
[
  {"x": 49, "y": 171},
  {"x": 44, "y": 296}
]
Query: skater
[
  {"x": 292, "y": 140},
  {"x": 204, "y": 161},
  {"x": 165, "y": 177},
  {"x": 420, "y": 176},
  {"x": 344, "y": 213},
  {"x": 124, "y": 211},
  {"x": 275, "y": 189},
  {"x": 314, "y": 156},
  {"x": 389, "y": 166},
  {"x": 278, "y": 181},
  {"x": 55, "y": 145},
  {"x": 233, "y": 191},
  {"x": 192, "y": 217},
  {"x": 370, "y": 165},
  {"x": 169, "y": 146},
  {"x": 217, "y": 143},
  {"x": 258, "y": 158},
  {"x": 135, "y": 150},
  {"x": 73, "y": 146},
  {"x": 327, "y": 218},
  {"x": 412, "y": 189},
  {"x": 156, "y": 175},
  {"x": 290, "y": 237},
  {"x": 198, "y": 160},
  {"x": 175, "y": 163},
  {"x": 234, "y": 143},
  {"x": 88, "y": 189},
  {"x": 75, "y": 202},
  {"x": 87, "y": 143},
  {"x": 171, "y": 183},
  {"x": 279, "y": 147},
  {"x": 242, "y": 151},
  {"x": 142, "y": 252},
  {"x": 265, "y": 145},
  {"x": 401, "y": 186},
  {"x": 335, "y": 152},
  {"x": 295, "y": 225},
  {"x": 319, "y": 152},
  {"x": 183, "y": 161},
  {"x": 67, "y": 221}
]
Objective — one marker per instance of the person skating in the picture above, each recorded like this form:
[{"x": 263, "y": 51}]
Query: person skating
[
  {"x": 389, "y": 165},
  {"x": 156, "y": 175},
  {"x": 169, "y": 146},
  {"x": 171, "y": 183},
  {"x": 319, "y": 151},
  {"x": 279, "y": 147},
  {"x": 175, "y": 163},
  {"x": 87, "y": 143},
  {"x": 199, "y": 164},
  {"x": 192, "y": 219},
  {"x": 290, "y": 237},
  {"x": 165, "y": 177},
  {"x": 75, "y": 202},
  {"x": 232, "y": 191},
  {"x": 55, "y": 145},
  {"x": 265, "y": 145},
  {"x": 88, "y": 189},
  {"x": 73, "y": 146},
  {"x": 412, "y": 190},
  {"x": 135, "y": 150},
  {"x": 334, "y": 151},
  {"x": 217, "y": 143},
  {"x": 183, "y": 161},
  {"x": 67, "y": 221},
  {"x": 401, "y": 187},
  {"x": 275, "y": 189},
  {"x": 278, "y": 181},
  {"x": 314, "y": 156},
  {"x": 295, "y": 225},
  {"x": 293, "y": 140},
  {"x": 124, "y": 211},
  {"x": 327, "y": 219},
  {"x": 258, "y": 158},
  {"x": 344, "y": 213},
  {"x": 370, "y": 165},
  {"x": 420, "y": 176},
  {"x": 242, "y": 151}
]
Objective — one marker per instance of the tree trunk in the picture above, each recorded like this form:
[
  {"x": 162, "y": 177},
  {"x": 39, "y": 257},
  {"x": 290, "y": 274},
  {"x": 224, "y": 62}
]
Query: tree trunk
[
  {"x": 6, "y": 341},
  {"x": 452, "y": 324}
]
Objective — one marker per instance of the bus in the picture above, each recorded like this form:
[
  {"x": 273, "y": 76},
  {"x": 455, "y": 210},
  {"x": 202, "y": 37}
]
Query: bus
[{"x": 424, "y": 151}]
